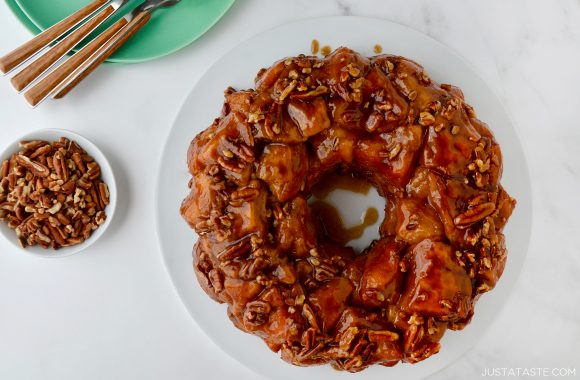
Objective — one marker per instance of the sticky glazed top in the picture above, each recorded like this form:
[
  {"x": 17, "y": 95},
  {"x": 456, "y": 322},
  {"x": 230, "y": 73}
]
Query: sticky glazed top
[{"x": 263, "y": 252}]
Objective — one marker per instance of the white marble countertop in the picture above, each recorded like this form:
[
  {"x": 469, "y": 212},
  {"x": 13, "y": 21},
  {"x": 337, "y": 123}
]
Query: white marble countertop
[{"x": 111, "y": 312}]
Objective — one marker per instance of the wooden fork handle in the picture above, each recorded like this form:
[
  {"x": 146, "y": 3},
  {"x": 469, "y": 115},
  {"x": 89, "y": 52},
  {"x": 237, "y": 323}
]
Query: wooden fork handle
[
  {"x": 36, "y": 68},
  {"x": 104, "y": 52},
  {"x": 86, "y": 60},
  {"x": 27, "y": 50},
  {"x": 43, "y": 88}
]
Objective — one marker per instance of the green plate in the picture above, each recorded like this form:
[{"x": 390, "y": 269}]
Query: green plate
[
  {"x": 21, "y": 16},
  {"x": 169, "y": 30}
]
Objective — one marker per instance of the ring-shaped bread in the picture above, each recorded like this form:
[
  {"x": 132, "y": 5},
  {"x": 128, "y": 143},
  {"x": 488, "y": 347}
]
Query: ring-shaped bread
[{"x": 261, "y": 251}]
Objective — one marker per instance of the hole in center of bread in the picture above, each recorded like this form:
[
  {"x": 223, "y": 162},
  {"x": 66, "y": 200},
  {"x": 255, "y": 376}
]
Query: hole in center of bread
[{"x": 349, "y": 210}]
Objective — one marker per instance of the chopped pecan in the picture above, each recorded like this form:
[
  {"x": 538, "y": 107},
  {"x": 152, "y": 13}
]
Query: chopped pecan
[
  {"x": 426, "y": 118},
  {"x": 100, "y": 217},
  {"x": 287, "y": 90}
]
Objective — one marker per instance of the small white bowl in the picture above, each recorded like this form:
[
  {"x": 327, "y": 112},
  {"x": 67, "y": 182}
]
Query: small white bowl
[{"x": 106, "y": 175}]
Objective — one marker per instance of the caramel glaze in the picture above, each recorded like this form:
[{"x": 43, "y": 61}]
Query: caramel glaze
[
  {"x": 333, "y": 225},
  {"x": 329, "y": 216},
  {"x": 385, "y": 120},
  {"x": 335, "y": 181}
]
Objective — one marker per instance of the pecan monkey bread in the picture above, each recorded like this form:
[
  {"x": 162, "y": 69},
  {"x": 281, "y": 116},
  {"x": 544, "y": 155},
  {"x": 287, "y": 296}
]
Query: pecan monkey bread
[{"x": 263, "y": 252}]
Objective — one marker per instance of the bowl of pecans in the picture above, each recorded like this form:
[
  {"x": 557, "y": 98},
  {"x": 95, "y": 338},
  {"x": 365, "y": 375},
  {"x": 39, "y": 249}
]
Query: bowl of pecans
[{"x": 57, "y": 193}]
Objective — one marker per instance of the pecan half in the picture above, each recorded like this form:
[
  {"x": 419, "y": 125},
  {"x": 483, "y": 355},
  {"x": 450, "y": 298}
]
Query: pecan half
[
  {"x": 41, "y": 151},
  {"x": 5, "y": 169},
  {"x": 34, "y": 167},
  {"x": 378, "y": 336},
  {"x": 32, "y": 145},
  {"x": 60, "y": 167},
  {"x": 347, "y": 338},
  {"x": 78, "y": 160},
  {"x": 308, "y": 313},
  {"x": 237, "y": 249},
  {"x": 474, "y": 214},
  {"x": 257, "y": 313},
  {"x": 246, "y": 194}
]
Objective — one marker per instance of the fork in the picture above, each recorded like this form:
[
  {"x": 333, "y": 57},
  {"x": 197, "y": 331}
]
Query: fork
[{"x": 64, "y": 37}]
